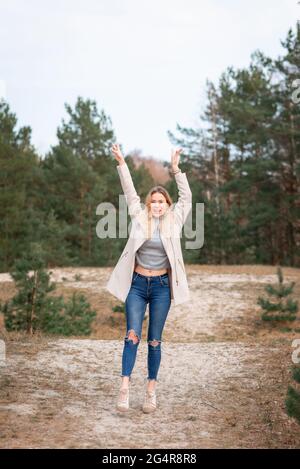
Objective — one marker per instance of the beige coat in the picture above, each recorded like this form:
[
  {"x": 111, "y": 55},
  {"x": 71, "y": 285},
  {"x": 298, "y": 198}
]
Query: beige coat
[{"x": 171, "y": 224}]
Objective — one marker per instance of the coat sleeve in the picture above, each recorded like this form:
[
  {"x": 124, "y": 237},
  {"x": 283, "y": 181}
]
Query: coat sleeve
[
  {"x": 184, "y": 204},
  {"x": 132, "y": 198}
]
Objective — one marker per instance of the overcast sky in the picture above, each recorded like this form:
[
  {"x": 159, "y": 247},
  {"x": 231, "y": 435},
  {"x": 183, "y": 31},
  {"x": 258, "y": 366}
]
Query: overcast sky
[{"x": 144, "y": 62}]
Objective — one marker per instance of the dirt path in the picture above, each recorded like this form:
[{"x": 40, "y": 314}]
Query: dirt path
[{"x": 222, "y": 380}]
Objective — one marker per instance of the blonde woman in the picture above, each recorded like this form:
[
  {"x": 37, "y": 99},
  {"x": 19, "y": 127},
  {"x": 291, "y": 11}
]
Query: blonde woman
[{"x": 150, "y": 270}]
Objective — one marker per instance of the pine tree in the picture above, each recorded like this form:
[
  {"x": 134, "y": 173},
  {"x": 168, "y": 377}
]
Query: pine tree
[
  {"x": 280, "y": 311},
  {"x": 247, "y": 162},
  {"x": 79, "y": 174},
  {"x": 33, "y": 309},
  {"x": 18, "y": 163}
]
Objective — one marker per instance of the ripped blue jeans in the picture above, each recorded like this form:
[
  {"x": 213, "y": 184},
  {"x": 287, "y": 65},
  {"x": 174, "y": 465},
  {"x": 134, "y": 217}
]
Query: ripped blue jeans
[{"x": 154, "y": 290}]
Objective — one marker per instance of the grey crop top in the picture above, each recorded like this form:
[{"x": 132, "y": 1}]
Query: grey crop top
[{"x": 152, "y": 254}]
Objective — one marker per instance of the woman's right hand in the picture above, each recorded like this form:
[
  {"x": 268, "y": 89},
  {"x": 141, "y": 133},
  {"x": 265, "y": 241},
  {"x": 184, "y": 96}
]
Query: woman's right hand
[{"x": 117, "y": 153}]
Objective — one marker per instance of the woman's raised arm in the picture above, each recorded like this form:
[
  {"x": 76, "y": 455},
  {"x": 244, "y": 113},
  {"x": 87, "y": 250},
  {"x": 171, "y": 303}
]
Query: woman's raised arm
[
  {"x": 132, "y": 198},
  {"x": 184, "y": 204}
]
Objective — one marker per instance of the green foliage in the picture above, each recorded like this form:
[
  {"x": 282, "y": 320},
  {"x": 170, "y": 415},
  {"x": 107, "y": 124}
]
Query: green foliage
[
  {"x": 282, "y": 310},
  {"x": 119, "y": 308},
  {"x": 296, "y": 373},
  {"x": 248, "y": 161},
  {"x": 33, "y": 309},
  {"x": 292, "y": 402},
  {"x": 73, "y": 317}
]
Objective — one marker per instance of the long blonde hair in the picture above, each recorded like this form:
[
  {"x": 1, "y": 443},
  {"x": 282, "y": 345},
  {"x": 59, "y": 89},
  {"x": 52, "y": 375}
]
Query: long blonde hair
[{"x": 169, "y": 201}]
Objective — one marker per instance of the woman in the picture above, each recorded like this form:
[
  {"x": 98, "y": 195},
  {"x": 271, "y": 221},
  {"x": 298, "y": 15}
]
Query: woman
[{"x": 150, "y": 270}]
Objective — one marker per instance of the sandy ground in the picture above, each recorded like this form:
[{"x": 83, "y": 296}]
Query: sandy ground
[{"x": 222, "y": 380}]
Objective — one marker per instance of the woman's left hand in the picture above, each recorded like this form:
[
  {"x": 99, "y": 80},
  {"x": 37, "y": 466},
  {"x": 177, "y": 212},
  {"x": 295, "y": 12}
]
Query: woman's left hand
[{"x": 175, "y": 158}]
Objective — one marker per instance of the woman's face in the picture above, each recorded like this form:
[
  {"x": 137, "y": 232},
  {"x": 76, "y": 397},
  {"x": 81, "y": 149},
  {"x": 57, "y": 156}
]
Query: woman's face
[{"x": 158, "y": 204}]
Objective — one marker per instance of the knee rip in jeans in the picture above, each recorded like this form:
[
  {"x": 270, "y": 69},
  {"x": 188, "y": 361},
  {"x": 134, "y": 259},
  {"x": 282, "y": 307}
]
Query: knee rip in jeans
[
  {"x": 131, "y": 335},
  {"x": 154, "y": 342}
]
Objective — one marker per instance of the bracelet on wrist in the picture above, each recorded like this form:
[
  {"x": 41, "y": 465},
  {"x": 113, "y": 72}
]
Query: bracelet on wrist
[{"x": 176, "y": 171}]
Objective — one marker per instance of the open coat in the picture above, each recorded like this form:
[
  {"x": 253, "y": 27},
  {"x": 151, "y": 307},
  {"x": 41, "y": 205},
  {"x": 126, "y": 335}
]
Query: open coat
[{"x": 170, "y": 227}]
